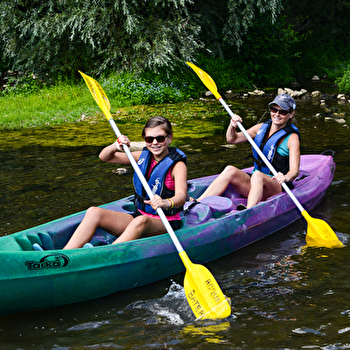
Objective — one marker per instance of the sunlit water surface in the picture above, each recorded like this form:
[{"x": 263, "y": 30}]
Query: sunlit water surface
[{"x": 283, "y": 297}]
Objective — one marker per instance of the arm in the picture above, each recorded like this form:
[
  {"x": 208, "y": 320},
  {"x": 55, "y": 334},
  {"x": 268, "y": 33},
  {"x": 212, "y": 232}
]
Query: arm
[
  {"x": 238, "y": 137},
  {"x": 114, "y": 152}
]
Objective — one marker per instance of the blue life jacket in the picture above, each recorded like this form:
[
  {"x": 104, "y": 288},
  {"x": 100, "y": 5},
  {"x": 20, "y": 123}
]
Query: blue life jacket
[
  {"x": 269, "y": 148},
  {"x": 156, "y": 179}
]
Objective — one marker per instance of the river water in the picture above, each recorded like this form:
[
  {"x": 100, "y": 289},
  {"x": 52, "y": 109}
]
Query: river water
[{"x": 283, "y": 297}]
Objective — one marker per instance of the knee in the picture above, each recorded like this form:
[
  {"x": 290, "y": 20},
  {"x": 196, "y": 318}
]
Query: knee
[
  {"x": 140, "y": 222},
  {"x": 257, "y": 177},
  {"x": 229, "y": 171},
  {"x": 93, "y": 212}
]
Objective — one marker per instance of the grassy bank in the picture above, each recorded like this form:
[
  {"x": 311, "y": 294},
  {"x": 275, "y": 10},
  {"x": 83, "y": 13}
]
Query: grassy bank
[
  {"x": 49, "y": 106},
  {"x": 29, "y": 104},
  {"x": 65, "y": 102},
  {"x": 69, "y": 104}
]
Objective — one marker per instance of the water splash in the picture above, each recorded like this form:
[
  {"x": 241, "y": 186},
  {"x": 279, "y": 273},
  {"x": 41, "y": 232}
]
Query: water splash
[{"x": 170, "y": 309}]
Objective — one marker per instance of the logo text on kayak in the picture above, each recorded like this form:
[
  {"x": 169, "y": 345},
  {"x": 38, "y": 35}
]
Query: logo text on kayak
[{"x": 52, "y": 261}]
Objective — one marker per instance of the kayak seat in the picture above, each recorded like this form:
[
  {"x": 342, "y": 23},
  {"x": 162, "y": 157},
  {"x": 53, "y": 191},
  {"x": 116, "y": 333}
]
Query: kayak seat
[
  {"x": 46, "y": 241},
  {"x": 25, "y": 243},
  {"x": 218, "y": 205},
  {"x": 43, "y": 239},
  {"x": 196, "y": 213}
]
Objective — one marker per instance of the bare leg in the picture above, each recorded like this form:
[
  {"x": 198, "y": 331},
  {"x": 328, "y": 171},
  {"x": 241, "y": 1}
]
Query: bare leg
[
  {"x": 230, "y": 175},
  {"x": 262, "y": 187},
  {"x": 141, "y": 225},
  {"x": 109, "y": 220}
]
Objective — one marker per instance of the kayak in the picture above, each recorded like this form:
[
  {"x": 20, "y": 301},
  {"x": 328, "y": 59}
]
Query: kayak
[{"x": 211, "y": 229}]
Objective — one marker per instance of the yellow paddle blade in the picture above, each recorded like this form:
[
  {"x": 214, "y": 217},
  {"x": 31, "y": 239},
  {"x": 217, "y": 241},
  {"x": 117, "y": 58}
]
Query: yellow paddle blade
[
  {"x": 319, "y": 233},
  {"x": 203, "y": 292},
  {"x": 98, "y": 94},
  {"x": 206, "y": 79}
]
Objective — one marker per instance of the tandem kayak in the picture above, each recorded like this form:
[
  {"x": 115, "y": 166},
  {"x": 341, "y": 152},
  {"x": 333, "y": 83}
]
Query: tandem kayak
[{"x": 213, "y": 228}]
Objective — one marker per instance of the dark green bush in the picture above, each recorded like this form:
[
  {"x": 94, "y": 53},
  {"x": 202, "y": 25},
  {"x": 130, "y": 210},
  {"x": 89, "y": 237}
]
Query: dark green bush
[{"x": 343, "y": 82}]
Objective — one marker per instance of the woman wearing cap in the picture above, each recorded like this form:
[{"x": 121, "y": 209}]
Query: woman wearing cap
[
  {"x": 278, "y": 139},
  {"x": 165, "y": 170}
]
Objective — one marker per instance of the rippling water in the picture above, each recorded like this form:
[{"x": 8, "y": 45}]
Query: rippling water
[{"x": 283, "y": 297}]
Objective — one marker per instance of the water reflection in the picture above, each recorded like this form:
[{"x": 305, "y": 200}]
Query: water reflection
[{"x": 282, "y": 297}]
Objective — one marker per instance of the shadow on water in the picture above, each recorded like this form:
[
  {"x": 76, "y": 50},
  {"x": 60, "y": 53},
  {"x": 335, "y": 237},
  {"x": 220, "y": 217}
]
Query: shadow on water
[{"x": 282, "y": 296}]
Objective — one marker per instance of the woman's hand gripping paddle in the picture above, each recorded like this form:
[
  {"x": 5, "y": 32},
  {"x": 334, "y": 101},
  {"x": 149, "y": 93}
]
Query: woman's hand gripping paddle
[
  {"x": 319, "y": 233},
  {"x": 202, "y": 291}
]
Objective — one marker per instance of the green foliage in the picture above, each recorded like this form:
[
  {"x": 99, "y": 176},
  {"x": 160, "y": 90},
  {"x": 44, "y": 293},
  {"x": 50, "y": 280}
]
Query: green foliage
[
  {"x": 59, "y": 37},
  {"x": 343, "y": 82},
  {"x": 129, "y": 89},
  {"x": 270, "y": 51},
  {"x": 326, "y": 24},
  {"x": 242, "y": 15},
  {"x": 240, "y": 42},
  {"x": 21, "y": 84},
  {"x": 227, "y": 74}
]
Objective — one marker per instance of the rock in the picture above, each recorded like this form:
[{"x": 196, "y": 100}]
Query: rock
[
  {"x": 300, "y": 93},
  {"x": 341, "y": 97},
  {"x": 121, "y": 171},
  {"x": 315, "y": 94},
  {"x": 340, "y": 120},
  {"x": 293, "y": 93},
  {"x": 315, "y": 78},
  {"x": 208, "y": 94},
  {"x": 256, "y": 92}
]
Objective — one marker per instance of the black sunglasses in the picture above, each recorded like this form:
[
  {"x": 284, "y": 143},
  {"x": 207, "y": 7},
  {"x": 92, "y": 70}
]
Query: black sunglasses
[
  {"x": 279, "y": 111},
  {"x": 150, "y": 139}
]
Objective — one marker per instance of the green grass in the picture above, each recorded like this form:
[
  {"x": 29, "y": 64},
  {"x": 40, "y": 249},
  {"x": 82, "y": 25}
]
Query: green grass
[{"x": 50, "y": 106}]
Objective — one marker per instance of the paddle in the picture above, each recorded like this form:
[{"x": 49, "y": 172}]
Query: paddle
[
  {"x": 319, "y": 233},
  {"x": 202, "y": 291}
]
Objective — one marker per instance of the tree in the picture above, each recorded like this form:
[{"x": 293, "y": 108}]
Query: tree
[{"x": 58, "y": 37}]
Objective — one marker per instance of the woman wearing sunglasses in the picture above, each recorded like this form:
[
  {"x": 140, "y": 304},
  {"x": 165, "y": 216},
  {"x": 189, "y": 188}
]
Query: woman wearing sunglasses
[
  {"x": 278, "y": 138},
  {"x": 165, "y": 171}
]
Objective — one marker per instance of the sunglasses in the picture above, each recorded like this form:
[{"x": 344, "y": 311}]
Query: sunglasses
[
  {"x": 279, "y": 111},
  {"x": 150, "y": 139}
]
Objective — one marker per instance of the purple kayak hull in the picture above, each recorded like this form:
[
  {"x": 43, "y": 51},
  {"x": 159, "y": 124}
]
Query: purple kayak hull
[{"x": 31, "y": 280}]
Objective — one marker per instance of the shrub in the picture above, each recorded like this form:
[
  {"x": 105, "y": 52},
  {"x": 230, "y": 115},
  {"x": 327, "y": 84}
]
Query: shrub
[
  {"x": 130, "y": 89},
  {"x": 343, "y": 82},
  {"x": 21, "y": 84}
]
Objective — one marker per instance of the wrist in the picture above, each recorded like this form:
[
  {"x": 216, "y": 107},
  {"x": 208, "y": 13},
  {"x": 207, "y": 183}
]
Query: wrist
[{"x": 171, "y": 203}]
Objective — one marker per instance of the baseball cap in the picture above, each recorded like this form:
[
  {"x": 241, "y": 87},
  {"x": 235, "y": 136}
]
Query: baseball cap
[{"x": 285, "y": 101}]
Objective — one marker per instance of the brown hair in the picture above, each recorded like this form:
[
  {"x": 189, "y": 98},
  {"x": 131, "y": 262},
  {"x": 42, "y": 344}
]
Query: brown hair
[{"x": 158, "y": 121}]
